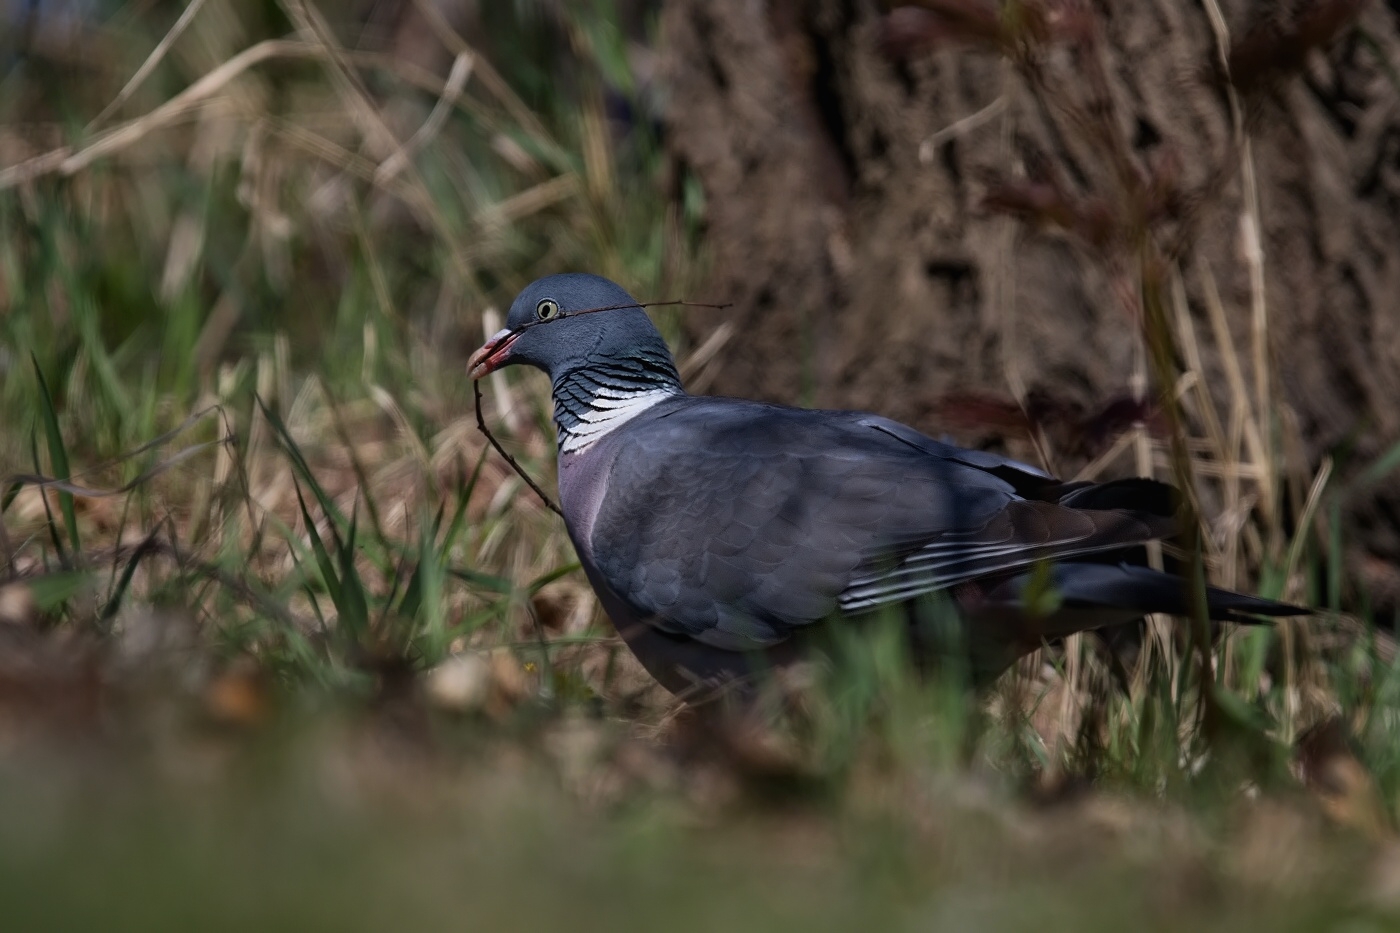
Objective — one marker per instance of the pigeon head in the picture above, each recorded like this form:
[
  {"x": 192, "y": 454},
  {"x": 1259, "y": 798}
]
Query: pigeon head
[{"x": 562, "y": 323}]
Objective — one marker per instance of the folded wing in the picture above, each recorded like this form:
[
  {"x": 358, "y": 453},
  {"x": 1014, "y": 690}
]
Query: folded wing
[{"x": 736, "y": 523}]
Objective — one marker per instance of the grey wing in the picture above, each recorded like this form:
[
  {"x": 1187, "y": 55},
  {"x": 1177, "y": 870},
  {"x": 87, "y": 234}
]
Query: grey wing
[
  {"x": 735, "y": 534},
  {"x": 1014, "y": 471},
  {"x": 1024, "y": 532}
]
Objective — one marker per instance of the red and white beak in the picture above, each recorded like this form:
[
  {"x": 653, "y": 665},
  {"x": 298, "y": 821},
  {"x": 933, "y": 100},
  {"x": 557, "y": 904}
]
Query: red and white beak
[{"x": 493, "y": 354}]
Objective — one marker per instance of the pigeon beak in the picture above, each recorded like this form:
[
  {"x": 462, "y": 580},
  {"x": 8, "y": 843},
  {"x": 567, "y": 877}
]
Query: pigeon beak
[{"x": 493, "y": 354}]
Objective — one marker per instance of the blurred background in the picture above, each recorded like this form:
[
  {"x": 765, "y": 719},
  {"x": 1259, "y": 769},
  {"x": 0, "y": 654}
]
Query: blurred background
[{"x": 282, "y": 641}]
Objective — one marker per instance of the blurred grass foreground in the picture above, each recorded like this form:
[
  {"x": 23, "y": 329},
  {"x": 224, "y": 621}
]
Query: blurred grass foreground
[{"x": 283, "y": 646}]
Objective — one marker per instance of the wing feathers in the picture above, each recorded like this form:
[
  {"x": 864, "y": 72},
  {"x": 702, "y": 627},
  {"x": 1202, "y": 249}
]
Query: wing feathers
[
  {"x": 1021, "y": 534},
  {"x": 734, "y": 523}
]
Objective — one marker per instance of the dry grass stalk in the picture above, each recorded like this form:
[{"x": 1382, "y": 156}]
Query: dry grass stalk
[
  {"x": 451, "y": 91},
  {"x": 65, "y": 162},
  {"x": 487, "y": 74},
  {"x": 1252, "y": 236},
  {"x": 960, "y": 128},
  {"x": 149, "y": 65}
]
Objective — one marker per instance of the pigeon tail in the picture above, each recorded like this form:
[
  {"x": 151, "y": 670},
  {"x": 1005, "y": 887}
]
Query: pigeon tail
[{"x": 1090, "y": 593}]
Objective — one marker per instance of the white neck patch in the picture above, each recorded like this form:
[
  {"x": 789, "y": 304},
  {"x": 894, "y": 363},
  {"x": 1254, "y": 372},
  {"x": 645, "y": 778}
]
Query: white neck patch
[{"x": 608, "y": 413}]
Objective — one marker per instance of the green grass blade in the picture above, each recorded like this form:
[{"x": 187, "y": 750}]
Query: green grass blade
[
  {"x": 354, "y": 606},
  {"x": 49, "y": 522},
  {"x": 361, "y": 476},
  {"x": 544, "y": 580},
  {"x": 301, "y": 467},
  {"x": 318, "y": 547},
  {"x": 459, "y": 516},
  {"x": 477, "y": 620},
  {"x": 1385, "y": 464},
  {"x": 8, "y": 499},
  {"x": 114, "y": 600},
  {"x": 316, "y": 608},
  {"x": 1334, "y": 554},
  {"x": 486, "y": 581},
  {"x": 58, "y": 455},
  {"x": 413, "y": 595},
  {"x": 52, "y": 590},
  {"x": 429, "y": 577}
]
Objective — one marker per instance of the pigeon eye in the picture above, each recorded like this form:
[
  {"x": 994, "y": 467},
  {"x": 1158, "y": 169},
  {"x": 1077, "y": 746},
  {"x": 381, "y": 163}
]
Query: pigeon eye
[{"x": 547, "y": 309}]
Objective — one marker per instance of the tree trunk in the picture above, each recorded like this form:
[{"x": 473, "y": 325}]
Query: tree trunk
[{"x": 844, "y": 215}]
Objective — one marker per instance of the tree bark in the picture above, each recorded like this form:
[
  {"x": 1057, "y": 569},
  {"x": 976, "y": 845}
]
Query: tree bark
[{"x": 844, "y": 219}]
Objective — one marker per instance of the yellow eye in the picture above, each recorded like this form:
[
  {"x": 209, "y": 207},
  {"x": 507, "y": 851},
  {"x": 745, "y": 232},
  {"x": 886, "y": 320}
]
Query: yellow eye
[{"x": 547, "y": 309}]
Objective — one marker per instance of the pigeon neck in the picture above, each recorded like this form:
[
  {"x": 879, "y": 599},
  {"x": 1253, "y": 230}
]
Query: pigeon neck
[{"x": 595, "y": 399}]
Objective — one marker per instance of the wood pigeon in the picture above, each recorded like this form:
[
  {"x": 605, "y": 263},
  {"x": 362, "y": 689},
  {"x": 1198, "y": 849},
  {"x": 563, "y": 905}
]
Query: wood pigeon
[{"x": 722, "y": 534}]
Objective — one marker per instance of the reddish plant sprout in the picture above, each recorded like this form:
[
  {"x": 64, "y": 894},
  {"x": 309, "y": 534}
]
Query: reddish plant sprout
[
  {"x": 909, "y": 31},
  {"x": 1083, "y": 434},
  {"x": 1271, "y": 51},
  {"x": 974, "y": 411},
  {"x": 1163, "y": 197},
  {"x": 1010, "y": 28},
  {"x": 1047, "y": 204}
]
